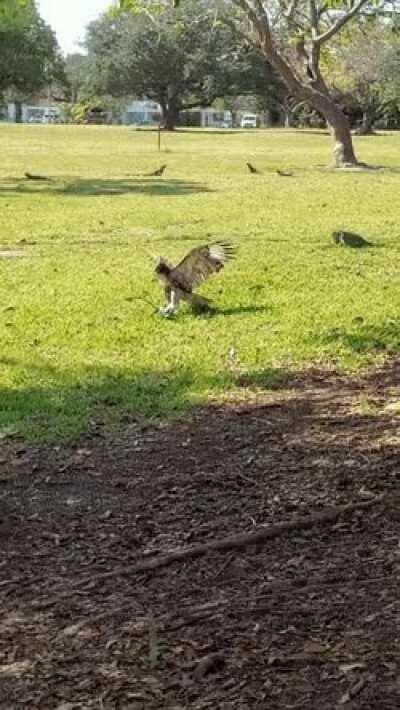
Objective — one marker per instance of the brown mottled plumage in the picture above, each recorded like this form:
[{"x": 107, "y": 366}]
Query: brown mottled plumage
[{"x": 180, "y": 281}]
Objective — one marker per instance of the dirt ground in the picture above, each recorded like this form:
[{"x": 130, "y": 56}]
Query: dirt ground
[{"x": 310, "y": 619}]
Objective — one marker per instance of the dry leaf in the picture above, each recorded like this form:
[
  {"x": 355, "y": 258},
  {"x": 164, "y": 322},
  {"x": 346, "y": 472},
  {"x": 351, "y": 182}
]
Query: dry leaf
[
  {"x": 344, "y": 699},
  {"x": 15, "y": 669},
  {"x": 73, "y": 629},
  {"x": 348, "y": 667},
  {"x": 314, "y": 647}
]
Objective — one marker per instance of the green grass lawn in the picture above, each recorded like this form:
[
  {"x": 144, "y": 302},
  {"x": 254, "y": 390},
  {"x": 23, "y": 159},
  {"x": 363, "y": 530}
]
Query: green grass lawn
[{"x": 76, "y": 346}]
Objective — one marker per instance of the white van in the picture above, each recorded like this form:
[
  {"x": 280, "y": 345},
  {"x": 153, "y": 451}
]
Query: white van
[
  {"x": 51, "y": 115},
  {"x": 249, "y": 120}
]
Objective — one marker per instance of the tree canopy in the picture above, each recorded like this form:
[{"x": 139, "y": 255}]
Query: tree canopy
[
  {"x": 181, "y": 59},
  {"x": 13, "y": 12},
  {"x": 29, "y": 55},
  {"x": 363, "y": 67}
]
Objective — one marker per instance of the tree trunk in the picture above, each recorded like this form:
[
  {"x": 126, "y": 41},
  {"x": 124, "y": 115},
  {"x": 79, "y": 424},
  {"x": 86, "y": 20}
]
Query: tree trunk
[
  {"x": 18, "y": 111},
  {"x": 339, "y": 127},
  {"x": 343, "y": 152},
  {"x": 317, "y": 95},
  {"x": 287, "y": 119},
  {"x": 169, "y": 116}
]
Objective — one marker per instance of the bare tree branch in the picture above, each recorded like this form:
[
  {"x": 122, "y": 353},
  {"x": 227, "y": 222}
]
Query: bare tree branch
[
  {"x": 291, "y": 9},
  {"x": 313, "y": 19},
  {"x": 240, "y": 540},
  {"x": 248, "y": 9},
  {"x": 340, "y": 22}
]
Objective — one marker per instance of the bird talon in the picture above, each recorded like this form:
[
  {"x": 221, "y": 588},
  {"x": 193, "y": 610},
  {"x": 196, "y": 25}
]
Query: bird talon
[{"x": 166, "y": 312}]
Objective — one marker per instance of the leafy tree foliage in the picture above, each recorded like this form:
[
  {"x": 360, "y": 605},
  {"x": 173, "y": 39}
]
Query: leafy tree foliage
[
  {"x": 13, "y": 12},
  {"x": 181, "y": 59},
  {"x": 29, "y": 53},
  {"x": 363, "y": 67}
]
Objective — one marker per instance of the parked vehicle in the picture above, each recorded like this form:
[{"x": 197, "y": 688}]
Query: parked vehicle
[
  {"x": 96, "y": 115},
  {"x": 249, "y": 120},
  {"x": 51, "y": 115}
]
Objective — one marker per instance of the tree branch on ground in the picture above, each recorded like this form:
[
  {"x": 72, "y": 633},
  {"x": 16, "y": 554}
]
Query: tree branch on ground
[{"x": 239, "y": 541}]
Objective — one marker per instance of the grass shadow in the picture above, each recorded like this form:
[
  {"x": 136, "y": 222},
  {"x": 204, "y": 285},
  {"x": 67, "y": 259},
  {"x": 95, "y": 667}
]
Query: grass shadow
[
  {"x": 196, "y": 131},
  {"x": 365, "y": 337},
  {"x": 309, "y": 131},
  {"x": 61, "y": 404},
  {"x": 238, "y": 311},
  {"x": 101, "y": 187}
]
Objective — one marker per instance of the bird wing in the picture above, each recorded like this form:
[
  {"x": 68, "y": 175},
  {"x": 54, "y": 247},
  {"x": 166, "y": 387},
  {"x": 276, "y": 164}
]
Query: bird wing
[{"x": 200, "y": 263}]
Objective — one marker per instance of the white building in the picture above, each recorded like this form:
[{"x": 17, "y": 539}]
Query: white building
[
  {"x": 142, "y": 113},
  {"x": 24, "y": 113},
  {"x": 148, "y": 113}
]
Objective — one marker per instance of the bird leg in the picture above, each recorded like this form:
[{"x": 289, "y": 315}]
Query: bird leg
[{"x": 173, "y": 303}]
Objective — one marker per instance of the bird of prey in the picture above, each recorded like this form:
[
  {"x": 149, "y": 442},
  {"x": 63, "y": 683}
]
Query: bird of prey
[
  {"x": 157, "y": 173},
  {"x": 284, "y": 173},
  {"x": 349, "y": 239},
  {"x": 252, "y": 169},
  {"x": 30, "y": 176},
  {"x": 180, "y": 281}
]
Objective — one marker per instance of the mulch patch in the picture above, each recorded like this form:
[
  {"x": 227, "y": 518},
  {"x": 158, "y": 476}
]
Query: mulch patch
[{"x": 309, "y": 619}]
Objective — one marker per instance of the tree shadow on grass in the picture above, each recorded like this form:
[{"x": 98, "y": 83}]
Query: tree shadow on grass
[
  {"x": 365, "y": 337},
  {"x": 51, "y": 403},
  {"x": 59, "y": 403},
  {"x": 307, "y": 131},
  {"x": 63, "y": 404},
  {"x": 188, "y": 130},
  {"x": 81, "y": 187}
]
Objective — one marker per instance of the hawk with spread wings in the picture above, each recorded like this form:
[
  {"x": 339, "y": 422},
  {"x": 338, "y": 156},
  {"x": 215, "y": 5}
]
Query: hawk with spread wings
[{"x": 180, "y": 281}]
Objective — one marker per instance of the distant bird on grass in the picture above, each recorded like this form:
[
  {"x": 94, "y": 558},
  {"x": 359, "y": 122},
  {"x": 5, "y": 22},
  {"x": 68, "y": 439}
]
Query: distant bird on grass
[
  {"x": 252, "y": 169},
  {"x": 284, "y": 173},
  {"x": 179, "y": 281},
  {"x": 349, "y": 239},
  {"x": 157, "y": 173},
  {"x": 31, "y": 176}
]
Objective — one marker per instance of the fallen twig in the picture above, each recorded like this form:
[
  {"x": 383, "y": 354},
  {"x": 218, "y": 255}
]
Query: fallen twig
[
  {"x": 233, "y": 542},
  {"x": 236, "y": 542}
]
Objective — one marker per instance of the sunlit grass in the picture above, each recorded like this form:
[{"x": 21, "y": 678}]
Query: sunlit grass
[{"x": 76, "y": 345}]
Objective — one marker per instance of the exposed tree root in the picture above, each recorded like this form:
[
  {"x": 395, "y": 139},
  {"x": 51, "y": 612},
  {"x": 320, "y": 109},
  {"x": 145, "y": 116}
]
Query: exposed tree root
[{"x": 236, "y": 542}]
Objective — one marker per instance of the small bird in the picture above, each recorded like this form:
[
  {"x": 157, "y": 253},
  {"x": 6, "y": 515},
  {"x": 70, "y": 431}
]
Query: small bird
[
  {"x": 252, "y": 169},
  {"x": 349, "y": 239},
  {"x": 284, "y": 173},
  {"x": 157, "y": 173},
  {"x": 179, "y": 281},
  {"x": 30, "y": 176}
]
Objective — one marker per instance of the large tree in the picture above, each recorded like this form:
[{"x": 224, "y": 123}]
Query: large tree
[
  {"x": 292, "y": 36},
  {"x": 29, "y": 55},
  {"x": 181, "y": 59}
]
